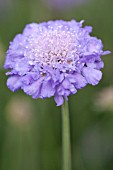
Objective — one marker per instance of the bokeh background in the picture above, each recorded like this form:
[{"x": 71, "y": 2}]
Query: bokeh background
[{"x": 30, "y": 130}]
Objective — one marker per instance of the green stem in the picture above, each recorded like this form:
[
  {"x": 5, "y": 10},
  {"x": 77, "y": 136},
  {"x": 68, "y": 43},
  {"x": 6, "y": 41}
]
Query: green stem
[{"x": 66, "y": 137}]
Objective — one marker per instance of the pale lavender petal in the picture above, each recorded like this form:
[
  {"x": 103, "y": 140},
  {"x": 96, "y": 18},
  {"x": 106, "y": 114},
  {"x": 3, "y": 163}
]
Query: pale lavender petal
[
  {"x": 66, "y": 84},
  {"x": 92, "y": 76},
  {"x": 34, "y": 88},
  {"x": 47, "y": 90},
  {"x": 59, "y": 100},
  {"x": 80, "y": 81},
  {"x": 106, "y": 52},
  {"x": 14, "y": 83}
]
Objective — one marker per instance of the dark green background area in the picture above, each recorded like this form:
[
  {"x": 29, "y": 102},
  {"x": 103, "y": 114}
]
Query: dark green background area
[{"x": 35, "y": 143}]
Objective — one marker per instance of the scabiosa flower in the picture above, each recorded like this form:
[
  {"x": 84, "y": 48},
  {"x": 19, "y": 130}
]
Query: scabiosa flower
[{"x": 54, "y": 58}]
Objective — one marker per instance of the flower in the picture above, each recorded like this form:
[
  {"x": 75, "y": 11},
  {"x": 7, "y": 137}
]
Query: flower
[{"x": 54, "y": 58}]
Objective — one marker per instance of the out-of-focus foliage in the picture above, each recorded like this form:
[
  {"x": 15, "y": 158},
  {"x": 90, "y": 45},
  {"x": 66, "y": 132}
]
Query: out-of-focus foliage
[
  {"x": 30, "y": 130},
  {"x": 104, "y": 99},
  {"x": 63, "y": 4}
]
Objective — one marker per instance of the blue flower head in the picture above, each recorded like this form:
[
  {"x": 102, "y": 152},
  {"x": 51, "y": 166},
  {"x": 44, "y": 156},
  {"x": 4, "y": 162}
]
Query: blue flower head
[{"x": 54, "y": 58}]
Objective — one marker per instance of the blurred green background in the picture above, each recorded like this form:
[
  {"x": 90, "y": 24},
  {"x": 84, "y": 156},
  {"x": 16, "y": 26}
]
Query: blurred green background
[{"x": 30, "y": 130}]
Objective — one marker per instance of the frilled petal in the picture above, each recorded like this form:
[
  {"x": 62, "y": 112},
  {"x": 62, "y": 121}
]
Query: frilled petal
[
  {"x": 61, "y": 90},
  {"x": 95, "y": 45},
  {"x": 47, "y": 90},
  {"x": 92, "y": 76},
  {"x": 22, "y": 66},
  {"x": 66, "y": 84},
  {"x": 77, "y": 80},
  {"x": 30, "y": 78},
  {"x": 80, "y": 81},
  {"x": 68, "y": 87},
  {"x": 99, "y": 65},
  {"x": 14, "y": 83},
  {"x": 59, "y": 100},
  {"x": 34, "y": 89},
  {"x": 17, "y": 47},
  {"x": 106, "y": 52}
]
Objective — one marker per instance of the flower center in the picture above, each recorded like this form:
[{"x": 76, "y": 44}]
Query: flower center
[{"x": 53, "y": 47}]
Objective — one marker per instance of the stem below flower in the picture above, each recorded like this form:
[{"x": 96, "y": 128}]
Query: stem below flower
[{"x": 66, "y": 137}]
